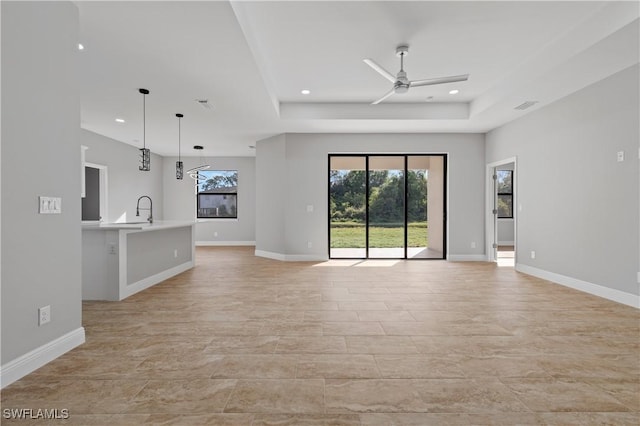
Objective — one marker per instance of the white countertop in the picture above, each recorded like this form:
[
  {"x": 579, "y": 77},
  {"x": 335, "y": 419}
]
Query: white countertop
[{"x": 134, "y": 226}]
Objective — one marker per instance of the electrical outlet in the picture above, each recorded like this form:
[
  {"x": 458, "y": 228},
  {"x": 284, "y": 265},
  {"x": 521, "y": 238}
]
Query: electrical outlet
[
  {"x": 175, "y": 253},
  {"x": 473, "y": 244},
  {"x": 309, "y": 244},
  {"x": 44, "y": 315},
  {"x": 112, "y": 249},
  {"x": 533, "y": 254},
  {"x": 215, "y": 234},
  {"x": 620, "y": 155},
  {"x": 310, "y": 208}
]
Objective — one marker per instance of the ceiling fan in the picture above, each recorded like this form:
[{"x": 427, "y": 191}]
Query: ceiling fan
[{"x": 401, "y": 83}]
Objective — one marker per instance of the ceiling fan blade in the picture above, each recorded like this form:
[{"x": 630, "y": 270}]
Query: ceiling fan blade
[
  {"x": 386, "y": 74},
  {"x": 386, "y": 95},
  {"x": 440, "y": 80}
]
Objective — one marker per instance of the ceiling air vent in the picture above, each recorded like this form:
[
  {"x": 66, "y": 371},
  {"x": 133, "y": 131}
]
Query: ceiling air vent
[
  {"x": 204, "y": 103},
  {"x": 525, "y": 105}
]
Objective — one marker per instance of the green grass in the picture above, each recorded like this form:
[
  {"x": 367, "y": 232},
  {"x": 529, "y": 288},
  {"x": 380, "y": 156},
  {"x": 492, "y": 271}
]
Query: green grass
[{"x": 352, "y": 235}]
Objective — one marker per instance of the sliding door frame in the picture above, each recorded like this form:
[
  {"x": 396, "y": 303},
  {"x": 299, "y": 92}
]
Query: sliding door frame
[{"x": 406, "y": 205}]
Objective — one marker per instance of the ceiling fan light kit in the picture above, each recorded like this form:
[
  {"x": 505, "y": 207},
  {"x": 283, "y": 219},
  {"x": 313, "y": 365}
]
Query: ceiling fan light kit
[
  {"x": 194, "y": 173},
  {"x": 401, "y": 83}
]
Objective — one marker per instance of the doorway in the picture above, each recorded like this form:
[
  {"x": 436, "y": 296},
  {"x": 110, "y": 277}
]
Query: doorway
[
  {"x": 502, "y": 216},
  {"x": 387, "y": 206},
  {"x": 94, "y": 200}
]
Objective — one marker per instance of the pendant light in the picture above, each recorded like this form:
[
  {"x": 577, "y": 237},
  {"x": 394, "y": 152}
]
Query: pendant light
[
  {"x": 194, "y": 173},
  {"x": 145, "y": 153},
  {"x": 179, "y": 166}
]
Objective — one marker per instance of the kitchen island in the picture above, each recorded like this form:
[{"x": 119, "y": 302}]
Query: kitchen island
[{"x": 121, "y": 259}]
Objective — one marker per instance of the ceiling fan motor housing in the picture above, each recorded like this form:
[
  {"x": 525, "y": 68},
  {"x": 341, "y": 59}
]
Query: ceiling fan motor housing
[
  {"x": 402, "y": 83},
  {"x": 402, "y": 49}
]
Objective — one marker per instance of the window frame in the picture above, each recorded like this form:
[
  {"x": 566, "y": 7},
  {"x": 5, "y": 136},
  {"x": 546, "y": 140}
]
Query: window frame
[
  {"x": 505, "y": 194},
  {"x": 223, "y": 193}
]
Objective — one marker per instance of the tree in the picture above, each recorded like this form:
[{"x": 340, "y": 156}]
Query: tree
[
  {"x": 417, "y": 192},
  {"x": 218, "y": 179}
]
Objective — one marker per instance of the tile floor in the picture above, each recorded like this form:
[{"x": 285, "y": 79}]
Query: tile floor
[{"x": 241, "y": 340}]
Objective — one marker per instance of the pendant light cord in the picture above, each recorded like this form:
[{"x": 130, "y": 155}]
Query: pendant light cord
[
  {"x": 144, "y": 120},
  {"x": 179, "y": 132}
]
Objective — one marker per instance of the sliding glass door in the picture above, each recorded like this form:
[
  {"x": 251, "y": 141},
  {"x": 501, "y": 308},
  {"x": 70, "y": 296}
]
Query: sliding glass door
[
  {"x": 347, "y": 207},
  {"x": 386, "y": 202},
  {"x": 387, "y": 206}
]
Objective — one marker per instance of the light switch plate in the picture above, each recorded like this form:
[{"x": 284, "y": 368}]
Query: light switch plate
[
  {"x": 50, "y": 205},
  {"x": 620, "y": 156}
]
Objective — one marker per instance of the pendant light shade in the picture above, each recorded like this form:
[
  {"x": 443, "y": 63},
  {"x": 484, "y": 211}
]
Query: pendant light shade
[
  {"x": 145, "y": 153},
  {"x": 179, "y": 165}
]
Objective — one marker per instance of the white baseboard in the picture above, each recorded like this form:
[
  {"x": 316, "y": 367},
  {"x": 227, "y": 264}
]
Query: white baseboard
[
  {"x": 291, "y": 257},
  {"x": 127, "y": 290},
  {"x": 506, "y": 243},
  {"x": 467, "y": 257},
  {"x": 270, "y": 255},
  {"x": 305, "y": 258},
  {"x": 225, "y": 243},
  {"x": 587, "y": 287},
  {"x": 31, "y": 361}
]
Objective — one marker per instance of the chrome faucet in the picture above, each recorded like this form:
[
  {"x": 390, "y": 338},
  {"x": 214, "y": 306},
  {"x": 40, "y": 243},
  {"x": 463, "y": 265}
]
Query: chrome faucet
[{"x": 150, "y": 218}]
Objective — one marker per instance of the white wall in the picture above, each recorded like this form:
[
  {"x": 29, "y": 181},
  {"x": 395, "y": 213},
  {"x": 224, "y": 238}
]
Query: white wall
[
  {"x": 125, "y": 182},
  {"x": 579, "y": 205},
  {"x": 40, "y": 156},
  {"x": 292, "y": 170},
  {"x": 180, "y": 200}
]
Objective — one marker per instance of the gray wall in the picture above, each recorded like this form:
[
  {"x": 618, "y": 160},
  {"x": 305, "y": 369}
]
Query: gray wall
[
  {"x": 271, "y": 186},
  {"x": 291, "y": 173},
  {"x": 506, "y": 231},
  {"x": 125, "y": 182},
  {"x": 149, "y": 253},
  {"x": 40, "y": 129},
  {"x": 180, "y": 199},
  {"x": 579, "y": 205}
]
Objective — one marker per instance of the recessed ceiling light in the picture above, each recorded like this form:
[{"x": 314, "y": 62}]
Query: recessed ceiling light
[
  {"x": 305, "y": 91},
  {"x": 252, "y": 146},
  {"x": 120, "y": 120},
  {"x": 80, "y": 46},
  {"x": 454, "y": 92}
]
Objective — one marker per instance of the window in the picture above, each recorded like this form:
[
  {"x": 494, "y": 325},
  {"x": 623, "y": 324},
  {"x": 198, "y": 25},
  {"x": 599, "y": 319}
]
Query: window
[
  {"x": 505, "y": 194},
  {"x": 217, "y": 194}
]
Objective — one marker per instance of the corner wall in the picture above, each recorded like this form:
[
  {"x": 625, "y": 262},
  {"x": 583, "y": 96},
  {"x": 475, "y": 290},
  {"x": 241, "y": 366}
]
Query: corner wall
[
  {"x": 271, "y": 187},
  {"x": 579, "y": 204},
  {"x": 40, "y": 157},
  {"x": 292, "y": 173}
]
